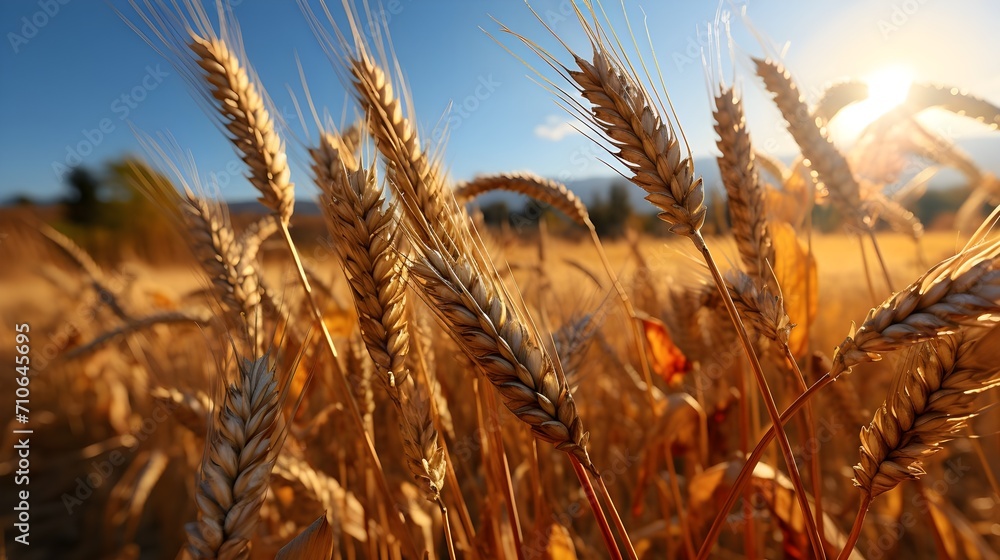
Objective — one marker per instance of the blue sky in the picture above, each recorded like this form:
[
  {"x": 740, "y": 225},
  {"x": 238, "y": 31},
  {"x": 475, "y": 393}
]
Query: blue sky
[{"x": 65, "y": 66}]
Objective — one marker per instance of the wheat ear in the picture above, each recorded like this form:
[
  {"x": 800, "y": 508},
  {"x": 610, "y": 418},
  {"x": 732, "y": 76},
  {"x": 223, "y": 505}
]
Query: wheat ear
[
  {"x": 645, "y": 143},
  {"x": 504, "y": 349},
  {"x": 342, "y": 507},
  {"x": 744, "y": 188},
  {"x": 353, "y": 207},
  {"x": 960, "y": 290},
  {"x": 245, "y": 116},
  {"x": 641, "y": 138},
  {"x": 553, "y": 193},
  {"x": 210, "y": 63},
  {"x": 825, "y": 159},
  {"x": 94, "y": 272},
  {"x": 235, "y": 281},
  {"x": 240, "y": 453},
  {"x": 930, "y": 402},
  {"x": 417, "y": 180},
  {"x": 759, "y": 306}
]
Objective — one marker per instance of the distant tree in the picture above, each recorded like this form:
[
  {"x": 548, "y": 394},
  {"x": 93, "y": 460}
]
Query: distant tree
[
  {"x": 937, "y": 201},
  {"x": 83, "y": 205},
  {"x": 21, "y": 200},
  {"x": 610, "y": 215},
  {"x": 496, "y": 213}
]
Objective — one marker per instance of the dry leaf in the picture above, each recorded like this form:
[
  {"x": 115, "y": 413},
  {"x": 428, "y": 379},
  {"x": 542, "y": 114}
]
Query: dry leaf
[
  {"x": 314, "y": 543},
  {"x": 560, "y": 544},
  {"x": 791, "y": 202},
  {"x": 797, "y": 277},
  {"x": 666, "y": 358},
  {"x": 958, "y": 536}
]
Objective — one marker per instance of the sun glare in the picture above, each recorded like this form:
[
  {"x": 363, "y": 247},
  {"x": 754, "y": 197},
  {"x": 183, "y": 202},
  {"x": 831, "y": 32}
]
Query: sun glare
[{"x": 887, "y": 87}]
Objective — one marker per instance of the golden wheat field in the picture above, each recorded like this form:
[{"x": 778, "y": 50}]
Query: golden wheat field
[{"x": 798, "y": 362}]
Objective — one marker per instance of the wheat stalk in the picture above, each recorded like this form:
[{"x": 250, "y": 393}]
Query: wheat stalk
[
  {"x": 553, "y": 193},
  {"x": 744, "y": 188},
  {"x": 240, "y": 452}
]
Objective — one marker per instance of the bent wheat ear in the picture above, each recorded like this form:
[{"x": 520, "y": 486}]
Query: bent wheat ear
[
  {"x": 550, "y": 192},
  {"x": 503, "y": 348},
  {"x": 825, "y": 159},
  {"x": 928, "y": 405},
  {"x": 961, "y": 290},
  {"x": 240, "y": 452},
  {"x": 759, "y": 306}
]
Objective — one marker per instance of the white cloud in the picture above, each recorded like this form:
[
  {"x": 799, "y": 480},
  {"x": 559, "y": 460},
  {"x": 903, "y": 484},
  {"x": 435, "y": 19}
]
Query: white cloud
[{"x": 555, "y": 128}]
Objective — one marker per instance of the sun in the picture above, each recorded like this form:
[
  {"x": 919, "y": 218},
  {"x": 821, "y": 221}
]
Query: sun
[{"x": 887, "y": 88}]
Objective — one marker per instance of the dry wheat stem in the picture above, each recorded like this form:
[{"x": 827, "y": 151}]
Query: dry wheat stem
[
  {"x": 245, "y": 117},
  {"x": 240, "y": 453},
  {"x": 553, "y": 193},
  {"x": 202, "y": 317},
  {"x": 503, "y": 348},
  {"x": 928, "y": 405},
  {"x": 754, "y": 458},
  {"x": 744, "y": 188},
  {"x": 786, "y": 450},
  {"x": 960, "y": 290}
]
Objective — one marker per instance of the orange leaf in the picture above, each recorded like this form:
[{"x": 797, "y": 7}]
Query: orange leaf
[
  {"x": 666, "y": 358},
  {"x": 795, "y": 270}
]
